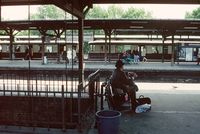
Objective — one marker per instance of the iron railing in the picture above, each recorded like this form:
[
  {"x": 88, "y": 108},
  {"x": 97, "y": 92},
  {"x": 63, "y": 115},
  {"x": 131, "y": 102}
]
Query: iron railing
[
  {"x": 92, "y": 85},
  {"x": 50, "y": 99}
]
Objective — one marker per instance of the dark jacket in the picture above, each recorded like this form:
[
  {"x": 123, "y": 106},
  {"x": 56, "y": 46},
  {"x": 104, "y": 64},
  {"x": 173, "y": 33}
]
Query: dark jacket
[{"x": 119, "y": 79}]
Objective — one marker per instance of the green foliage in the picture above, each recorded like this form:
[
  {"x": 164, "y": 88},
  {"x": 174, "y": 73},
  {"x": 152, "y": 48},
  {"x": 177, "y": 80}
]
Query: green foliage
[
  {"x": 51, "y": 12},
  {"x": 120, "y": 48},
  {"x": 96, "y": 13},
  {"x": 116, "y": 12},
  {"x": 48, "y": 12},
  {"x": 86, "y": 48},
  {"x": 133, "y": 13},
  {"x": 3, "y": 32},
  {"x": 23, "y": 32},
  {"x": 195, "y": 14}
]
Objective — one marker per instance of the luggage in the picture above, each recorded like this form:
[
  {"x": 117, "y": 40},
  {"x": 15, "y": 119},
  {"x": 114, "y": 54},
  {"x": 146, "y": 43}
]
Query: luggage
[
  {"x": 143, "y": 104},
  {"x": 143, "y": 100},
  {"x": 143, "y": 108}
]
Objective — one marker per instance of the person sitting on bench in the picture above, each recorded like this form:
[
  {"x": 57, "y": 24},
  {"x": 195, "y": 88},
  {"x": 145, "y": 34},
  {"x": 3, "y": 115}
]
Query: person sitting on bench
[{"x": 123, "y": 80}]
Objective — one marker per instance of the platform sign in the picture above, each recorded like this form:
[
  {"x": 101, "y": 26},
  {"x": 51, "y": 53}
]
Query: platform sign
[
  {"x": 182, "y": 54},
  {"x": 189, "y": 54}
]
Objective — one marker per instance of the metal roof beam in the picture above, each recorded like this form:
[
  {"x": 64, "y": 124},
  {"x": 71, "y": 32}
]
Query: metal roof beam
[
  {"x": 24, "y": 2},
  {"x": 146, "y": 2},
  {"x": 74, "y": 7},
  {"x": 164, "y": 27}
]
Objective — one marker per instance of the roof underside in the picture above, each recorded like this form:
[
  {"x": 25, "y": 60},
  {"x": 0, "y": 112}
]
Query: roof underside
[
  {"x": 78, "y": 7},
  {"x": 147, "y": 1},
  {"x": 23, "y": 2},
  {"x": 119, "y": 27}
]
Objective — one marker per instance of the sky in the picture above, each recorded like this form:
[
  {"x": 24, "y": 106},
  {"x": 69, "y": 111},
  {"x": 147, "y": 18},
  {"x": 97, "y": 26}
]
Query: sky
[
  {"x": 159, "y": 11},
  {"x": 163, "y": 11},
  {"x": 16, "y": 12}
]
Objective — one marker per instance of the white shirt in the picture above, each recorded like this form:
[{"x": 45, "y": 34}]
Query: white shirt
[{"x": 71, "y": 53}]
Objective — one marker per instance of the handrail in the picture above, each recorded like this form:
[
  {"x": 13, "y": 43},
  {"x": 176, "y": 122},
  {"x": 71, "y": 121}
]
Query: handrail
[
  {"x": 92, "y": 77},
  {"x": 92, "y": 86}
]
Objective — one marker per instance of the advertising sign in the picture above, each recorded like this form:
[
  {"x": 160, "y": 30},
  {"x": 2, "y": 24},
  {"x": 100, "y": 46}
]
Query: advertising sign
[{"x": 189, "y": 54}]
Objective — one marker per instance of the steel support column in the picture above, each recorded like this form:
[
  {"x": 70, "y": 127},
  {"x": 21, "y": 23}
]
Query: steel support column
[
  {"x": 0, "y": 11},
  {"x": 80, "y": 57},
  {"x": 43, "y": 48},
  {"x": 11, "y": 55},
  {"x": 163, "y": 46},
  {"x": 106, "y": 45},
  {"x": 172, "y": 57},
  {"x": 109, "y": 32}
]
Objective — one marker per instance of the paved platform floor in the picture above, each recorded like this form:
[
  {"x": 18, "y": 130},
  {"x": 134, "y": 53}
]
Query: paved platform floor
[
  {"x": 175, "y": 110},
  {"x": 175, "y": 106},
  {"x": 37, "y": 64}
]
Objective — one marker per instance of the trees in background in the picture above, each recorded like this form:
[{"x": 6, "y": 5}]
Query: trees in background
[
  {"x": 48, "y": 12},
  {"x": 117, "y": 12},
  {"x": 114, "y": 12},
  {"x": 96, "y": 12},
  {"x": 195, "y": 14},
  {"x": 133, "y": 13}
]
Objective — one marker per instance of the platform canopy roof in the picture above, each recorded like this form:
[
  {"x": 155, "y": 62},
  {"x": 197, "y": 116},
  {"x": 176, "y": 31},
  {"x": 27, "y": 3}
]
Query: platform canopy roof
[
  {"x": 147, "y": 27},
  {"x": 121, "y": 26}
]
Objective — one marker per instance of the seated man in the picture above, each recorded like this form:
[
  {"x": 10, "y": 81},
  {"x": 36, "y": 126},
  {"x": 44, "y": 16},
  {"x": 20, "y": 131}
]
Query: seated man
[{"x": 124, "y": 81}]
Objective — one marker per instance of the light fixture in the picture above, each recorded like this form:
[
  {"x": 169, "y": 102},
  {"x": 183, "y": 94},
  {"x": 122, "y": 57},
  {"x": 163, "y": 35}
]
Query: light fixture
[
  {"x": 191, "y": 28},
  {"x": 87, "y": 26},
  {"x": 195, "y": 22},
  {"x": 136, "y": 27},
  {"x": 141, "y": 22}
]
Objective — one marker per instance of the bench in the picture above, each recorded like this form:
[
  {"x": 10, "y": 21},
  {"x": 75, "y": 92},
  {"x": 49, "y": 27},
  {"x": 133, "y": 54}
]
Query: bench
[
  {"x": 115, "y": 98},
  {"x": 118, "y": 100}
]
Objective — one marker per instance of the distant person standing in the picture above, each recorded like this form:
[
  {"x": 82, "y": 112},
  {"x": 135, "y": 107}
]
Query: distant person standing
[
  {"x": 198, "y": 57},
  {"x": 143, "y": 54},
  {"x": 71, "y": 55},
  {"x": 28, "y": 53},
  {"x": 74, "y": 56},
  {"x": 26, "y": 57},
  {"x": 136, "y": 57}
]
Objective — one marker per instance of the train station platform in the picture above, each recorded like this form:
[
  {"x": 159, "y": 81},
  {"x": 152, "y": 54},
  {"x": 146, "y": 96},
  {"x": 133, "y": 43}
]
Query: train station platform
[
  {"x": 93, "y": 65},
  {"x": 175, "y": 106},
  {"x": 147, "y": 71},
  {"x": 175, "y": 110}
]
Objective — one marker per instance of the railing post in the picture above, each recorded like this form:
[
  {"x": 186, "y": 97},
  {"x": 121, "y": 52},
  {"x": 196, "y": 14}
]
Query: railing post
[
  {"x": 80, "y": 87},
  {"x": 91, "y": 91},
  {"x": 36, "y": 86},
  {"x": 47, "y": 96},
  {"x": 93, "y": 88},
  {"x": 11, "y": 92},
  {"x": 97, "y": 87},
  {"x": 102, "y": 86},
  {"x": 63, "y": 109},
  {"x": 18, "y": 90},
  {"x": 4, "y": 90},
  {"x": 46, "y": 91},
  {"x": 96, "y": 93}
]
